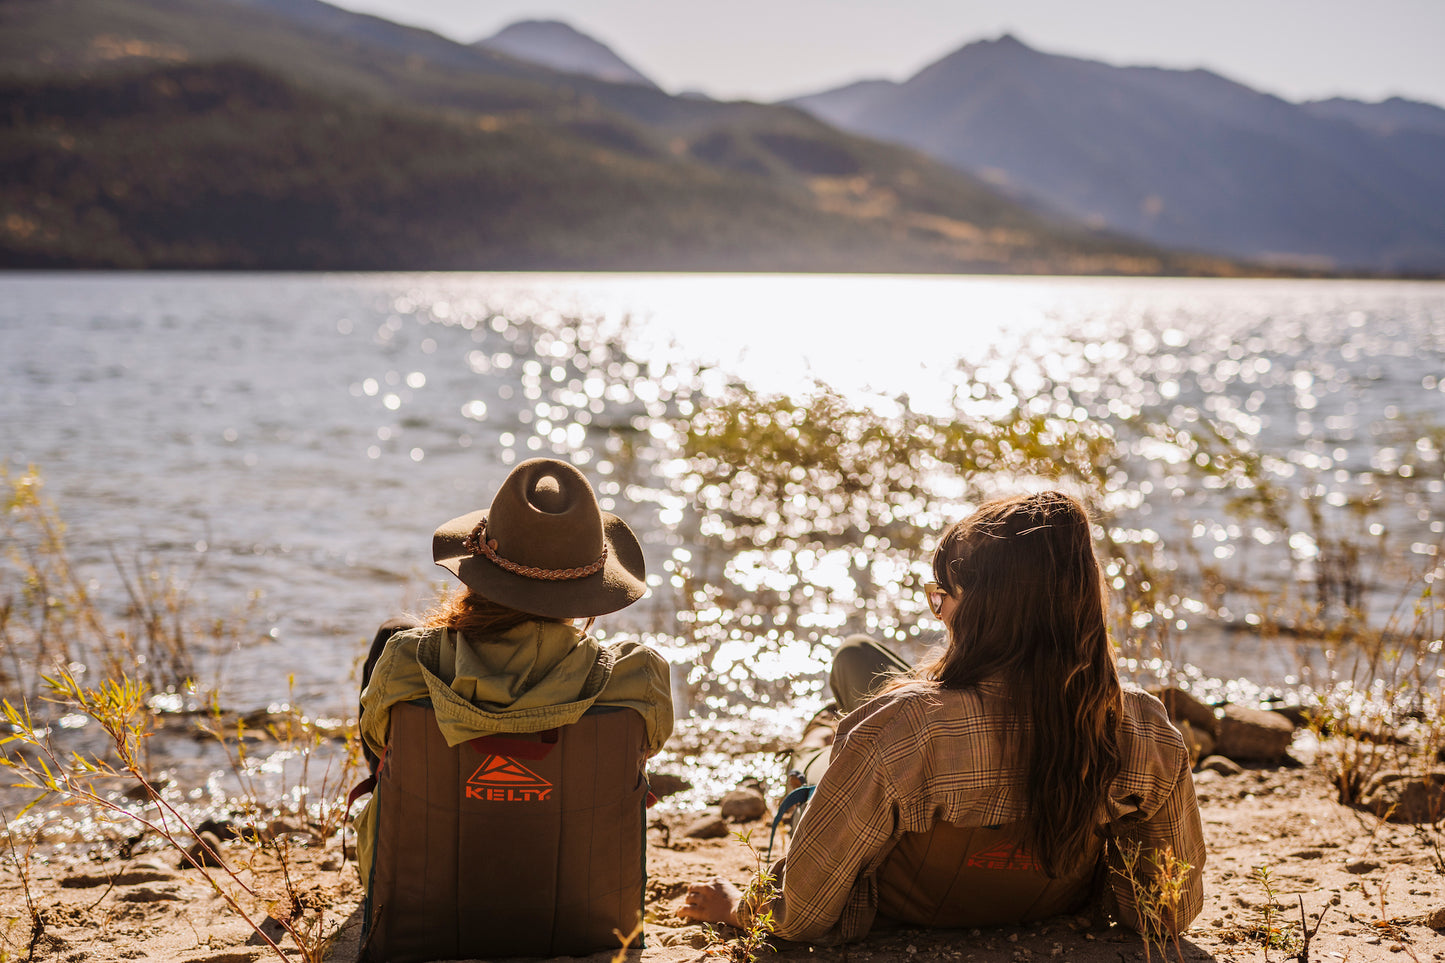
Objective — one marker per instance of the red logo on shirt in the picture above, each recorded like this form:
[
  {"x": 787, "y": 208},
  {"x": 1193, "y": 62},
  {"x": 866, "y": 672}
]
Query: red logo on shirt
[
  {"x": 1004, "y": 856},
  {"x": 500, "y": 779}
]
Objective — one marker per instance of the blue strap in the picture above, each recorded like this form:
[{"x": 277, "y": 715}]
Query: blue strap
[{"x": 794, "y": 798}]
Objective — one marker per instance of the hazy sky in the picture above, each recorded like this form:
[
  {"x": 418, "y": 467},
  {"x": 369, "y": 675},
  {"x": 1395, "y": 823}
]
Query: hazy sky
[{"x": 769, "y": 49}]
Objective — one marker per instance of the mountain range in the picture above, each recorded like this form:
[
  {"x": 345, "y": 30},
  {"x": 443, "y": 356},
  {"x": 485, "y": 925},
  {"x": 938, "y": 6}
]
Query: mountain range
[
  {"x": 295, "y": 134},
  {"x": 1185, "y": 158}
]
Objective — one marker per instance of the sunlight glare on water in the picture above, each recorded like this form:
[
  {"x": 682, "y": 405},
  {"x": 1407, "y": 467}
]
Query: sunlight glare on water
[{"x": 857, "y": 333}]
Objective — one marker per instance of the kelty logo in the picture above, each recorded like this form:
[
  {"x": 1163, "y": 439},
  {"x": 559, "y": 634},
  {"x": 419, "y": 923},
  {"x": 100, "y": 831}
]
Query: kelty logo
[
  {"x": 500, "y": 779},
  {"x": 1004, "y": 856}
]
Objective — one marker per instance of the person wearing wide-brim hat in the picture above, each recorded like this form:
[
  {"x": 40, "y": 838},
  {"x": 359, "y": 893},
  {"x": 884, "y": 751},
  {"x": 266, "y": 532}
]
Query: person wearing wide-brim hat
[{"x": 506, "y": 655}]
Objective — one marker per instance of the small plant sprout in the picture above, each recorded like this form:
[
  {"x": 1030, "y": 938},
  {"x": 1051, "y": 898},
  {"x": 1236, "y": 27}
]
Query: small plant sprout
[
  {"x": 755, "y": 912},
  {"x": 1270, "y": 930}
]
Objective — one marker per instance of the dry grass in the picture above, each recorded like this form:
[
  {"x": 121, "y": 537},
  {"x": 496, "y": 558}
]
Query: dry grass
[{"x": 53, "y": 615}]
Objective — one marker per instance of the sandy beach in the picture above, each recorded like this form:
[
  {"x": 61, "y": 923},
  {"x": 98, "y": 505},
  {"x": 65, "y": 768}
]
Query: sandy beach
[{"x": 1378, "y": 886}]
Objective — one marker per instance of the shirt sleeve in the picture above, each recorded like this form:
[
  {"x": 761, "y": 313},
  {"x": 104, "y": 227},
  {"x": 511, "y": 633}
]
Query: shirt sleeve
[
  {"x": 1158, "y": 860},
  {"x": 395, "y": 678},
  {"x": 641, "y": 680},
  {"x": 828, "y": 877}
]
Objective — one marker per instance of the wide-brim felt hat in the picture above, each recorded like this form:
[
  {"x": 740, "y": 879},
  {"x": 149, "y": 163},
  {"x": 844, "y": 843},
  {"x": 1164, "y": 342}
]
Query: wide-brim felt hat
[{"x": 545, "y": 547}]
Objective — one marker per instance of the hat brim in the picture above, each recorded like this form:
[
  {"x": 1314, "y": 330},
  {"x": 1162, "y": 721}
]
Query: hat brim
[{"x": 616, "y": 586}]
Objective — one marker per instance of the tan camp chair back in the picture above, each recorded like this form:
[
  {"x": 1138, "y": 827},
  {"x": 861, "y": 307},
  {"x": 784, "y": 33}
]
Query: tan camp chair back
[{"x": 507, "y": 846}]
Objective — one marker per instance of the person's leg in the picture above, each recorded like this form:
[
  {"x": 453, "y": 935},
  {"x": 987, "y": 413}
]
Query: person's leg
[
  {"x": 383, "y": 635},
  {"x": 861, "y": 667}
]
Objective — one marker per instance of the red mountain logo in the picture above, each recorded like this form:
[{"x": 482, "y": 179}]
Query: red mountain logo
[
  {"x": 1004, "y": 856},
  {"x": 500, "y": 779}
]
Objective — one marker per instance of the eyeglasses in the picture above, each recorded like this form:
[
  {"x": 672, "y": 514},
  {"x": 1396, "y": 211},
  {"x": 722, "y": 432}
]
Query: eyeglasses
[{"x": 935, "y": 596}]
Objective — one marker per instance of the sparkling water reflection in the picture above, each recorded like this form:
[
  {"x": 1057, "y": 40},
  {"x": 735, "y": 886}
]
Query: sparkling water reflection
[{"x": 299, "y": 437}]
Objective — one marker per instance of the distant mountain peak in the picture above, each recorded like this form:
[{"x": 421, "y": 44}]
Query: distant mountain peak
[
  {"x": 560, "y": 46},
  {"x": 1004, "y": 43},
  {"x": 1008, "y": 40}
]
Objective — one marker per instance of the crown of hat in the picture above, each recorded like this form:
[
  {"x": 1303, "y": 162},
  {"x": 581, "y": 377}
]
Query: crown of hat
[{"x": 546, "y": 516}]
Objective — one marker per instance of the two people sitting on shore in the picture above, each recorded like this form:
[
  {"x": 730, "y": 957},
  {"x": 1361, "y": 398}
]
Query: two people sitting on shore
[
  {"x": 508, "y": 745},
  {"x": 1009, "y": 779}
]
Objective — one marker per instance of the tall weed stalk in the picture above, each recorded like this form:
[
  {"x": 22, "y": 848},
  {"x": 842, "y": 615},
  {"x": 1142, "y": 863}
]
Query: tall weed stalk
[
  {"x": 309, "y": 795},
  {"x": 52, "y": 616},
  {"x": 1156, "y": 882},
  {"x": 1382, "y": 711}
]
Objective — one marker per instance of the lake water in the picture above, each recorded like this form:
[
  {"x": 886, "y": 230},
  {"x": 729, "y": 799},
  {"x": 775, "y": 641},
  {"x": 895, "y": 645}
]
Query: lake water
[{"x": 298, "y": 437}]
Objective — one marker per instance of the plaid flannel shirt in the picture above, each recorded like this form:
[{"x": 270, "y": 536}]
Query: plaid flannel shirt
[{"x": 918, "y": 756}]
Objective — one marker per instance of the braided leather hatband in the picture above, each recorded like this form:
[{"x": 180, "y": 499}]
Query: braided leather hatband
[{"x": 478, "y": 544}]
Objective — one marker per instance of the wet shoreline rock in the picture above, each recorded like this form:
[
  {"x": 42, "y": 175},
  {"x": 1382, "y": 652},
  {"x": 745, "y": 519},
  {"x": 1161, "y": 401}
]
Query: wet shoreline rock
[
  {"x": 1400, "y": 797},
  {"x": 747, "y": 803},
  {"x": 1183, "y": 706},
  {"x": 205, "y": 852},
  {"x": 664, "y": 784},
  {"x": 707, "y": 826},
  {"x": 743, "y": 805},
  {"x": 1235, "y": 732},
  {"x": 1222, "y": 765},
  {"x": 1199, "y": 741},
  {"x": 1253, "y": 735}
]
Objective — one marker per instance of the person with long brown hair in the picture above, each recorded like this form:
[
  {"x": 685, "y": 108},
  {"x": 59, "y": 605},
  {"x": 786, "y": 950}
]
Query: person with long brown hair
[
  {"x": 507, "y": 745},
  {"x": 1007, "y": 779}
]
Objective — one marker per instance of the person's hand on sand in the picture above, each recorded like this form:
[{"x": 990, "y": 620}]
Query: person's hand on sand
[{"x": 715, "y": 901}]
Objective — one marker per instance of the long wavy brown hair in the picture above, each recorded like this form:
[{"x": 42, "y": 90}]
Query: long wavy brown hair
[
  {"x": 1030, "y": 613},
  {"x": 477, "y": 616}
]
